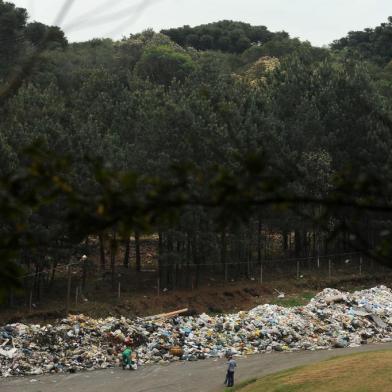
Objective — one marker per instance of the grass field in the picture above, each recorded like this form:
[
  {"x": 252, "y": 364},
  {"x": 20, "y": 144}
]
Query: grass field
[{"x": 368, "y": 372}]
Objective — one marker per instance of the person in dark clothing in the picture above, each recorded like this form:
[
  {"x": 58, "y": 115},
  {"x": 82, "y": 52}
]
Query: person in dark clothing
[{"x": 231, "y": 365}]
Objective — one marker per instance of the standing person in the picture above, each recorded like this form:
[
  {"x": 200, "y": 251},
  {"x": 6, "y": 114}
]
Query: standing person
[{"x": 231, "y": 365}]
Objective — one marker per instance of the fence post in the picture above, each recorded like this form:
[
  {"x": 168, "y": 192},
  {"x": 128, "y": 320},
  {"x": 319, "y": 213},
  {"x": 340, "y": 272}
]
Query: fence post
[
  {"x": 119, "y": 289},
  {"x": 318, "y": 262},
  {"x": 360, "y": 265},
  {"x": 329, "y": 269},
  {"x": 158, "y": 286},
  {"x": 261, "y": 273},
  {"x": 68, "y": 290},
  {"x": 11, "y": 298},
  {"x": 76, "y": 295},
  {"x": 31, "y": 301},
  {"x": 297, "y": 269},
  {"x": 226, "y": 274},
  {"x": 84, "y": 271}
]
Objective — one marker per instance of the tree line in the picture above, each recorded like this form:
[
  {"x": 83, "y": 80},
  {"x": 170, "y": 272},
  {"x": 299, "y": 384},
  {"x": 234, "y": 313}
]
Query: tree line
[{"x": 193, "y": 107}]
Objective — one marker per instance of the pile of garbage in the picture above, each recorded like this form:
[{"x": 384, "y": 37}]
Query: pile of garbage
[{"x": 331, "y": 319}]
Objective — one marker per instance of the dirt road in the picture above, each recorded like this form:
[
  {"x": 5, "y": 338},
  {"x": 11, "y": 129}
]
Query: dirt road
[{"x": 202, "y": 376}]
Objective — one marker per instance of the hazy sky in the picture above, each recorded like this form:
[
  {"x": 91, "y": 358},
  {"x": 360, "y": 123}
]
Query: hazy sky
[{"x": 319, "y": 21}]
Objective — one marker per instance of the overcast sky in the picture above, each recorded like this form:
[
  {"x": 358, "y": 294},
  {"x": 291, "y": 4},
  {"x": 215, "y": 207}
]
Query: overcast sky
[{"x": 319, "y": 21}]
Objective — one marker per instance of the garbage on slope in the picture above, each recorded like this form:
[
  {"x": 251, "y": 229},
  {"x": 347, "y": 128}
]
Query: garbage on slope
[{"x": 331, "y": 319}]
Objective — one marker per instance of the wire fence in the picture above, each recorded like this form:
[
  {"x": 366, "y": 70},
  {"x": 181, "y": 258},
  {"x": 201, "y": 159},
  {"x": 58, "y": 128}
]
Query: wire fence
[{"x": 80, "y": 281}]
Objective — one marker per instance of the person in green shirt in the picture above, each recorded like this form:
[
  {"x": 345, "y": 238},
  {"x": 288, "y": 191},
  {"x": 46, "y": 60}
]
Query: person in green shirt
[{"x": 127, "y": 356}]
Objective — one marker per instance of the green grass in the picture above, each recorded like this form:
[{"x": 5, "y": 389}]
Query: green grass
[
  {"x": 366, "y": 372},
  {"x": 294, "y": 300}
]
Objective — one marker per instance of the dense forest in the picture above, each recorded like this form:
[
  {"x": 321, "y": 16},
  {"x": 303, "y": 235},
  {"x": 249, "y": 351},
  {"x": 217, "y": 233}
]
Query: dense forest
[{"x": 207, "y": 98}]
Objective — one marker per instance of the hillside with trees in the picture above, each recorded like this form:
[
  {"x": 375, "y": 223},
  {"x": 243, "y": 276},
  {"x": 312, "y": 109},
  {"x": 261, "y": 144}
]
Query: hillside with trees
[
  {"x": 226, "y": 36},
  {"x": 373, "y": 44},
  {"x": 179, "y": 135}
]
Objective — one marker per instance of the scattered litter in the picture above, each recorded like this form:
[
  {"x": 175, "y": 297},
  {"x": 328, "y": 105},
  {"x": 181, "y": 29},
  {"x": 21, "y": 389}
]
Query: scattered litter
[
  {"x": 331, "y": 319},
  {"x": 280, "y": 294},
  {"x": 8, "y": 353},
  {"x": 378, "y": 321}
]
